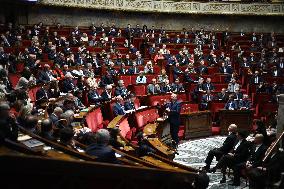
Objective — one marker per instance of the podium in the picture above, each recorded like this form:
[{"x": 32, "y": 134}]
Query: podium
[
  {"x": 197, "y": 124},
  {"x": 242, "y": 118}
]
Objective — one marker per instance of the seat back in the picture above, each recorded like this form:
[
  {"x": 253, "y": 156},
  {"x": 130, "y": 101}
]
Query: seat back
[{"x": 146, "y": 116}]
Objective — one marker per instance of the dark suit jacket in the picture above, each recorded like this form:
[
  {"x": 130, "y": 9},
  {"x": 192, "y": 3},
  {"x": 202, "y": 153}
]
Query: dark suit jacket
[
  {"x": 103, "y": 153},
  {"x": 188, "y": 78},
  {"x": 94, "y": 97},
  {"x": 202, "y": 70},
  {"x": 257, "y": 156},
  {"x": 133, "y": 70},
  {"x": 42, "y": 95},
  {"x": 105, "y": 96},
  {"x": 129, "y": 106},
  {"x": 53, "y": 118},
  {"x": 122, "y": 91},
  {"x": 106, "y": 80},
  {"x": 245, "y": 104},
  {"x": 234, "y": 105},
  {"x": 43, "y": 77},
  {"x": 274, "y": 166},
  {"x": 242, "y": 152},
  {"x": 228, "y": 69},
  {"x": 238, "y": 96},
  {"x": 68, "y": 85},
  {"x": 166, "y": 88},
  {"x": 117, "y": 109},
  {"x": 174, "y": 114},
  {"x": 177, "y": 87},
  {"x": 252, "y": 80},
  {"x": 223, "y": 97},
  {"x": 229, "y": 143},
  {"x": 208, "y": 86}
]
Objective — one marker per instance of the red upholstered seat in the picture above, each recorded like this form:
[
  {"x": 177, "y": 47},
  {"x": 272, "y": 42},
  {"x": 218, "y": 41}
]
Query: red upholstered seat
[
  {"x": 32, "y": 93},
  {"x": 125, "y": 128},
  {"x": 218, "y": 87},
  {"x": 215, "y": 107},
  {"x": 139, "y": 90},
  {"x": 216, "y": 130},
  {"x": 126, "y": 79},
  {"x": 20, "y": 67},
  {"x": 95, "y": 120},
  {"x": 14, "y": 78}
]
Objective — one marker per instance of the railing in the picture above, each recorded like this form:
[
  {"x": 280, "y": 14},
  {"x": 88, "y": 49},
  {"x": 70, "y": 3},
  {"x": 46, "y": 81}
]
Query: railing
[
  {"x": 273, "y": 146},
  {"x": 221, "y": 8}
]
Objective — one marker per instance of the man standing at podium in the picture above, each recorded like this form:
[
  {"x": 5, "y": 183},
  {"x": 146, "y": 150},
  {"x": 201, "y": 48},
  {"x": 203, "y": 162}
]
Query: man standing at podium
[{"x": 173, "y": 108}]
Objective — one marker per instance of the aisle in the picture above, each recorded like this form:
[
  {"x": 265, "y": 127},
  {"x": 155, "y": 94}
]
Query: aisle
[{"x": 193, "y": 153}]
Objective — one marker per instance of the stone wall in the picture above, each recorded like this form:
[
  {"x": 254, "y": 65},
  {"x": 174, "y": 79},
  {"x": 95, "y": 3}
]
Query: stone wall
[{"x": 84, "y": 17}]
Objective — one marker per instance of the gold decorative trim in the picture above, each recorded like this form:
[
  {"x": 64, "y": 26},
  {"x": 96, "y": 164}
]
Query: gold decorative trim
[{"x": 173, "y": 6}]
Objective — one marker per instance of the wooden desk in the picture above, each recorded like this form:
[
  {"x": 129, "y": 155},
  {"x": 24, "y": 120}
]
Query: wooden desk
[
  {"x": 242, "y": 118},
  {"x": 197, "y": 124}
]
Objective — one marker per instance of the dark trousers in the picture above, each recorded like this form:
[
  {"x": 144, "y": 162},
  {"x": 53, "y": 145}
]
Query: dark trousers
[
  {"x": 237, "y": 171},
  {"x": 174, "y": 128},
  {"x": 257, "y": 178},
  {"x": 224, "y": 162},
  {"x": 216, "y": 152}
]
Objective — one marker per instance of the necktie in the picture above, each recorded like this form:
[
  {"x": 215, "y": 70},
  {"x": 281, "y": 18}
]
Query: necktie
[{"x": 230, "y": 105}]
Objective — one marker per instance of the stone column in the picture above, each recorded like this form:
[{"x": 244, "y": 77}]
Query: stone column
[{"x": 280, "y": 117}]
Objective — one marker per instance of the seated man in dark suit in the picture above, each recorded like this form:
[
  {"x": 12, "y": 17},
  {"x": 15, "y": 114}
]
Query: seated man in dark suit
[
  {"x": 93, "y": 96},
  {"x": 46, "y": 130},
  {"x": 42, "y": 94},
  {"x": 107, "y": 79},
  {"x": 30, "y": 124},
  {"x": 238, "y": 155},
  {"x": 264, "y": 176},
  {"x": 54, "y": 117},
  {"x": 206, "y": 99},
  {"x": 202, "y": 69},
  {"x": 166, "y": 87},
  {"x": 118, "y": 107},
  {"x": 176, "y": 71},
  {"x": 8, "y": 122},
  {"x": 256, "y": 78},
  {"x": 224, "y": 149},
  {"x": 68, "y": 85},
  {"x": 107, "y": 94},
  {"x": 133, "y": 69},
  {"x": 222, "y": 96},
  {"x": 121, "y": 90},
  {"x": 257, "y": 153},
  {"x": 224, "y": 69},
  {"x": 187, "y": 77},
  {"x": 208, "y": 86},
  {"x": 231, "y": 104},
  {"x": 173, "y": 108},
  {"x": 238, "y": 95},
  {"x": 45, "y": 75},
  {"x": 100, "y": 148},
  {"x": 245, "y": 103},
  {"x": 177, "y": 87},
  {"x": 130, "y": 102},
  {"x": 154, "y": 87}
]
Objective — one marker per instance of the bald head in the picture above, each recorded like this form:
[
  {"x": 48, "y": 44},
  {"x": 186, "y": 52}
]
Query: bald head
[{"x": 232, "y": 128}]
